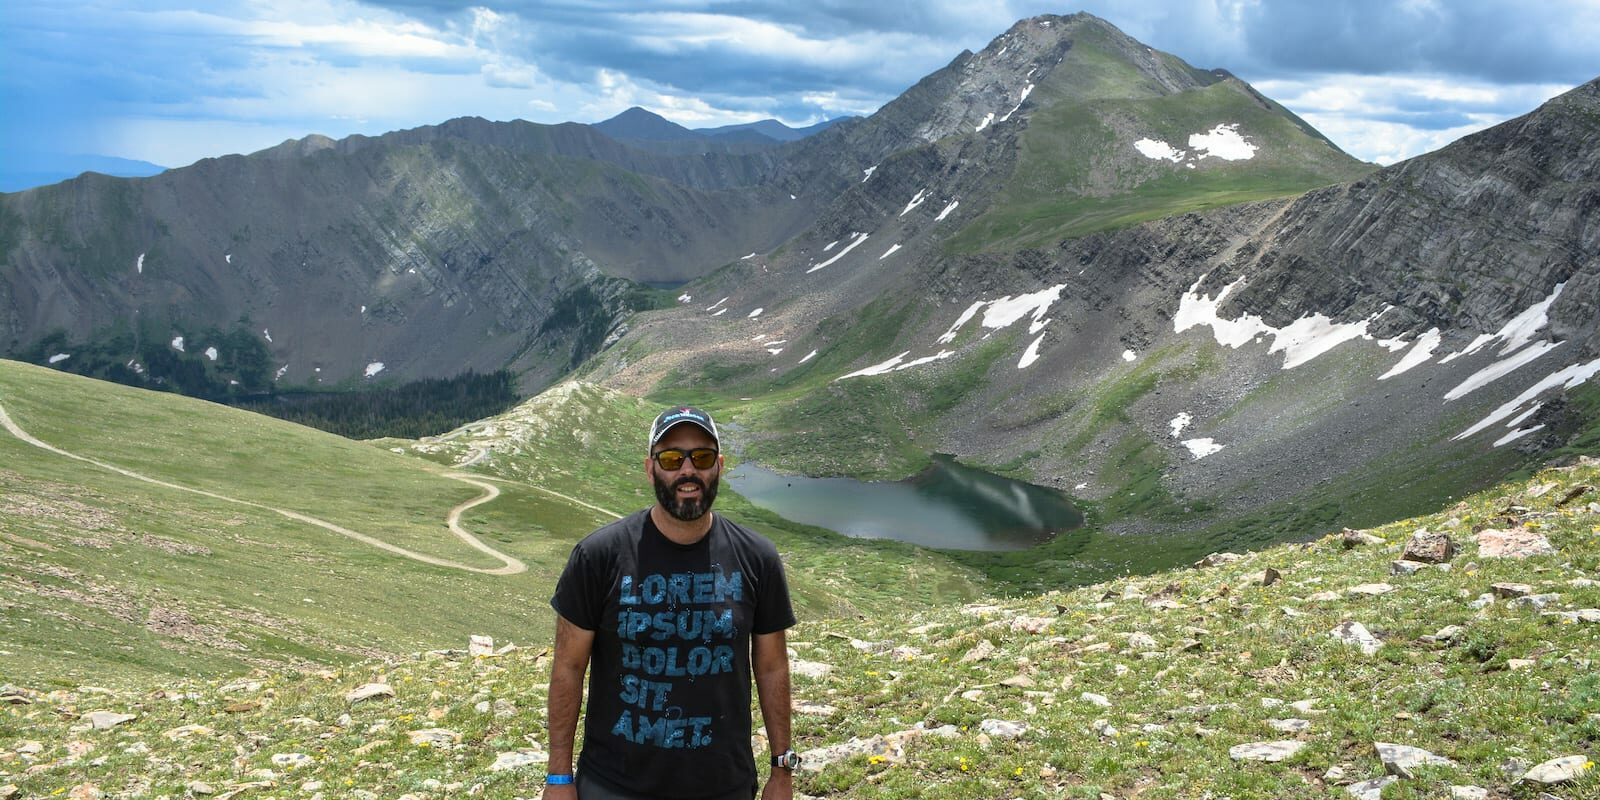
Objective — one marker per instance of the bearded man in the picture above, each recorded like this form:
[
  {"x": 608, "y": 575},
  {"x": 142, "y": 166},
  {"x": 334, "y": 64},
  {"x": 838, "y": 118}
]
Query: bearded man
[{"x": 673, "y": 608}]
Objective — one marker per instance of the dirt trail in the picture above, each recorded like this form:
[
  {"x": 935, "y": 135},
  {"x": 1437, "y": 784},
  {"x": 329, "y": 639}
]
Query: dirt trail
[{"x": 510, "y": 565}]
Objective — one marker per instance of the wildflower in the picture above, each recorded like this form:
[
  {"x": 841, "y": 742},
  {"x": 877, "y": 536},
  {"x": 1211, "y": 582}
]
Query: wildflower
[
  {"x": 875, "y": 760},
  {"x": 1017, "y": 772},
  {"x": 871, "y": 673},
  {"x": 1141, "y": 743},
  {"x": 963, "y": 763}
]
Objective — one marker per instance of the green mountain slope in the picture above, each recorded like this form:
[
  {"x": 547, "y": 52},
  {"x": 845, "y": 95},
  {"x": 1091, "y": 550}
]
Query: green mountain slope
[
  {"x": 1162, "y": 686},
  {"x": 217, "y": 555}
]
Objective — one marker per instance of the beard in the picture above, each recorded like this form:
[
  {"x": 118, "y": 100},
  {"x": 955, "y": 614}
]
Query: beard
[{"x": 686, "y": 509}]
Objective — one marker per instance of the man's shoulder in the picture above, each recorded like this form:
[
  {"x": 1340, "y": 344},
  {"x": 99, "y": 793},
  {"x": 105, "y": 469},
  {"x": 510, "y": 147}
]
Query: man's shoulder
[
  {"x": 617, "y": 533},
  {"x": 745, "y": 536}
]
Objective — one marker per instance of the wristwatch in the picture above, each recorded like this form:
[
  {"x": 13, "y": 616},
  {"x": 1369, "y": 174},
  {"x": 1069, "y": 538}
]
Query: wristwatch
[{"x": 788, "y": 760}]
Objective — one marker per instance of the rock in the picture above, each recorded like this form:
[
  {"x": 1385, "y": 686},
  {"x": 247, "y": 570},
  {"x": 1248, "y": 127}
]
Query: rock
[
  {"x": 1030, "y": 624},
  {"x": 292, "y": 760},
  {"x": 890, "y": 746},
  {"x": 1446, "y": 635},
  {"x": 368, "y": 692},
  {"x": 1096, "y": 699},
  {"x": 480, "y": 646},
  {"x": 815, "y": 670},
  {"x": 1139, "y": 642},
  {"x": 1291, "y": 725},
  {"x": 1218, "y": 559},
  {"x": 1324, "y": 597},
  {"x": 1370, "y": 589},
  {"x": 1513, "y": 767},
  {"x": 1535, "y": 600},
  {"x": 1468, "y": 793},
  {"x": 1264, "y": 751},
  {"x": 1402, "y": 760},
  {"x": 186, "y": 731},
  {"x": 311, "y": 786},
  {"x": 1510, "y": 590},
  {"x": 1355, "y": 633},
  {"x": 1370, "y": 790},
  {"x": 200, "y": 788},
  {"x": 241, "y": 687},
  {"x": 1574, "y": 493},
  {"x": 1404, "y": 567},
  {"x": 85, "y": 791},
  {"x": 1558, "y": 770},
  {"x": 1266, "y": 577},
  {"x": 517, "y": 759},
  {"x": 1003, "y": 728},
  {"x": 441, "y": 738},
  {"x": 983, "y": 650},
  {"x": 1483, "y": 601},
  {"x": 1429, "y": 547},
  {"x": 1018, "y": 682},
  {"x": 9, "y": 791},
  {"x": 972, "y": 695},
  {"x": 1352, "y": 538},
  {"x": 29, "y": 748},
  {"x": 106, "y": 720},
  {"x": 1334, "y": 774},
  {"x": 1513, "y": 543},
  {"x": 1515, "y": 664},
  {"x": 1581, "y": 615},
  {"x": 815, "y": 709}
]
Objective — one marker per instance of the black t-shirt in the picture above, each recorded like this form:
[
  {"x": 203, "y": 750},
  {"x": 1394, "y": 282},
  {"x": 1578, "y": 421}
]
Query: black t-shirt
[{"x": 669, "y": 683}]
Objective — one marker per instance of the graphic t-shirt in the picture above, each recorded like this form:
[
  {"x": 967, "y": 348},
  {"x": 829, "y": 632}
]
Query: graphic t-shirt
[{"x": 669, "y": 674}]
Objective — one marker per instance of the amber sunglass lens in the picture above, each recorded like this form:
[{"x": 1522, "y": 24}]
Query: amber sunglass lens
[
  {"x": 703, "y": 457},
  {"x": 669, "y": 460}
]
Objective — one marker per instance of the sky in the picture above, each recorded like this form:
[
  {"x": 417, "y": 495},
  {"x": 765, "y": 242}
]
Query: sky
[{"x": 174, "y": 81}]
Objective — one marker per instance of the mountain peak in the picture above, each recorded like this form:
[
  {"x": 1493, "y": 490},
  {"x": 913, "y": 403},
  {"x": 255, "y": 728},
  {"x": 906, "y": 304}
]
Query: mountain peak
[{"x": 641, "y": 123}]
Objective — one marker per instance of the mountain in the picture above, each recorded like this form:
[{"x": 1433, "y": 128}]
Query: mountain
[
  {"x": 25, "y": 170},
  {"x": 773, "y": 129},
  {"x": 638, "y": 123}
]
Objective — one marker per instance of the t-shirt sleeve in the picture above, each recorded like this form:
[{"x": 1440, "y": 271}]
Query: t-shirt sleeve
[
  {"x": 576, "y": 597},
  {"x": 773, "y": 609}
]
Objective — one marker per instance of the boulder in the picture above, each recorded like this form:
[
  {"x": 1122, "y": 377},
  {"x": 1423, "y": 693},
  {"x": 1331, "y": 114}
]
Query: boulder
[
  {"x": 1513, "y": 543},
  {"x": 1371, "y": 789},
  {"x": 1429, "y": 547},
  {"x": 1352, "y": 538},
  {"x": 1558, "y": 770},
  {"x": 516, "y": 759},
  {"x": 1402, "y": 760},
  {"x": 1264, "y": 751},
  {"x": 369, "y": 691},
  {"x": 106, "y": 720},
  {"x": 1354, "y": 633}
]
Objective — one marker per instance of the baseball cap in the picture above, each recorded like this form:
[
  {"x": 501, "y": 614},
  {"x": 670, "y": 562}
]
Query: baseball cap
[{"x": 680, "y": 414}]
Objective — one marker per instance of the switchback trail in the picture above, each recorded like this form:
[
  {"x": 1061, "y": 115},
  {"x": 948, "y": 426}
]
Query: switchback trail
[{"x": 510, "y": 565}]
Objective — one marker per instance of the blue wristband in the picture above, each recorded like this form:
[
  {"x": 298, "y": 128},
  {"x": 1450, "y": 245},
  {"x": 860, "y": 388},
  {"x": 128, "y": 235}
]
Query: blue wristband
[{"x": 557, "y": 780}]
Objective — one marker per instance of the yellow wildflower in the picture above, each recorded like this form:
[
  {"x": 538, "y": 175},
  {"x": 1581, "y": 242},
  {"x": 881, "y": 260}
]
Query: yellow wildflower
[
  {"x": 876, "y": 760},
  {"x": 872, "y": 673}
]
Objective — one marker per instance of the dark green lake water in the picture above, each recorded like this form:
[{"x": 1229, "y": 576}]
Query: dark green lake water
[{"x": 947, "y": 506}]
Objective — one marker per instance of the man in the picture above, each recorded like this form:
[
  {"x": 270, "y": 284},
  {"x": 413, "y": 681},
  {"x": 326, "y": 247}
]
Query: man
[{"x": 672, "y": 607}]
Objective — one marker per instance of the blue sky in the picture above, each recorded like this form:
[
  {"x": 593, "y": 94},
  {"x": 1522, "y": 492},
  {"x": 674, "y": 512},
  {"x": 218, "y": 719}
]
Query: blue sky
[{"x": 172, "y": 81}]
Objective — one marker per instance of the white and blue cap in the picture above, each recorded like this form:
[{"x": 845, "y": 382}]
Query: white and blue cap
[{"x": 679, "y": 415}]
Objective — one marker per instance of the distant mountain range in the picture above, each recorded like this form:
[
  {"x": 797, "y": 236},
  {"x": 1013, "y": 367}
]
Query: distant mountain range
[
  {"x": 1068, "y": 257},
  {"x": 641, "y": 125},
  {"x": 22, "y": 170}
]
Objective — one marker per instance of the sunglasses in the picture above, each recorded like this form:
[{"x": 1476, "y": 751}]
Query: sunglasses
[{"x": 672, "y": 459}]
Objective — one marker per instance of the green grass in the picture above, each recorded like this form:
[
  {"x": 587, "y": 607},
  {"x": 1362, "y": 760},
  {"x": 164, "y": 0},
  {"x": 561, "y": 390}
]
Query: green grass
[{"x": 1223, "y": 659}]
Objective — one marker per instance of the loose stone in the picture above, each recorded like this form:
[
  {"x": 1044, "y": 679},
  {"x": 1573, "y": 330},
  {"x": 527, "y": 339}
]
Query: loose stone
[
  {"x": 369, "y": 691},
  {"x": 1003, "y": 728},
  {"x": 1370, "y": 790},
  {"x": 1402, "y": 760},
  {"x": 516, "y": 759},
  {"x": 1558, "y": 770},
  {"x": 1354, "y": 633},
  {"x": 106, "y": 720},
  {"x": 1514, "y": 543},
  {"x": 1432, "y": 547},
  {"x": 1264, "y": 751}
]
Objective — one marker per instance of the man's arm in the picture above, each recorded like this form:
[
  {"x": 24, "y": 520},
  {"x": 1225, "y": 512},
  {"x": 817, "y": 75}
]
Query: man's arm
[
  {"x": 770, "y": 656},
  {"x": 570, "y": 662}
]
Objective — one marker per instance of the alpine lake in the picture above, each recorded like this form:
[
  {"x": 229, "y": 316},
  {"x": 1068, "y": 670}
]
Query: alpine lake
[{"x": 947, "y": 506}]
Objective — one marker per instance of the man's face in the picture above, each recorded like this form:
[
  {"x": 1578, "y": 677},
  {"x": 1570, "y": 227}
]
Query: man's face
[{"x": 685, "y": 493}]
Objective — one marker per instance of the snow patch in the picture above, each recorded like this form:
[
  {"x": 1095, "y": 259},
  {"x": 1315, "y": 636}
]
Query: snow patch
[
  {"x": 947, "y": 210},
  {"x": 1518, "y": 331},
  {"x": 888, "y": 252},
  {"x": 966, "y": 316},
  {"x": 915, "y": 201},
  {"x": 1157, "y": 149},
  {"x": 684, "y": 298},
  {"x": 755, "y": 313},
  {"x": 1178, "y": 423},
  {"x": 895, "y": 365},
  {"x": 713, "y": 306},
  {"x": 1031, "y": 354},
  {"x": 1200, "y": 448},
  {"x": 1223, "y": 142},
  {"x": 1523, "y": 417},
  {"x": 747, "y": 257},
  {"x": 1515, "y": 435},
  {"x": 1567, "y": 378},
  {"x": 228, "y": 257},
  {"x": 177, "y": 343},
  {"x": 59, "y": 357},
  {"x": 1300, "y": 341},
  {"x": 281, "y": 370},
  {"x": 374, "y": 368},
  {"x": 720, "y": 313},
  {"x": 774, "y": 350},
  {"x": 1498, "y": 370},
  {"x": 985, "y": 123},
  {"x": 831, "y": 245},
  {"x": 1129, "y": 355},
  {"x": 1419, "y": 354},
  {"x": 267, "y": 334},
  {"x": 1025, "y": 92},
  {"x": 867, "y": 173},
  {"x": 211, "y": 353},
  {"x": 859, "y": 238},
  {"x": 139, "y": 265},
  {"x": 363, "y": 309},
  {"x": 809, "y": 356}
]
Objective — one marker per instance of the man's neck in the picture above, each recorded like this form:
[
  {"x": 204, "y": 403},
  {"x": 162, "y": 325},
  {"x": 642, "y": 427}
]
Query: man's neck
[{"x": 677, "y": 530}]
